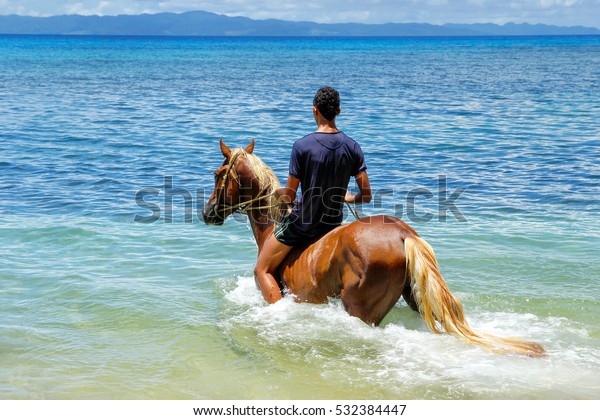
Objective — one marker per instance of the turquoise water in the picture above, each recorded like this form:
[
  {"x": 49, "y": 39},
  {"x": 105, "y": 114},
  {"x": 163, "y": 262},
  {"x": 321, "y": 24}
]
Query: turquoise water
[{"x": 95, "y": 305}]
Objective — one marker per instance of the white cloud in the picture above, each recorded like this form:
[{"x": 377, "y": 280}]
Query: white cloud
[
  {"x": 18, "y": 8},
  {"x": 478, "y": 3},
  {"x": 77, "y": 9},
  {"x": 103, "y": 7},
  {"x": 551, "y": 3}
]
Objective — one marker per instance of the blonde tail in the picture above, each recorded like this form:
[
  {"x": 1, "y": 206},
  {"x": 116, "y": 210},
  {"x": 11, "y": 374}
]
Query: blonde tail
[{"x": 437, "y": 305}]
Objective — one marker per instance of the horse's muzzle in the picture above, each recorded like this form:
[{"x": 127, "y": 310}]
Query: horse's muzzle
[{"x": 210, "y": 216}]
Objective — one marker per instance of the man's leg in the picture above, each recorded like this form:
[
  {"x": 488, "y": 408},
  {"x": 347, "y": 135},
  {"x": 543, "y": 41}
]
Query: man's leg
[{"x": 269, "y": 259}]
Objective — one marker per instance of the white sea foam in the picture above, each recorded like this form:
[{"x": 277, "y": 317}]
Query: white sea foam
[{"x": 405, "y": 354}]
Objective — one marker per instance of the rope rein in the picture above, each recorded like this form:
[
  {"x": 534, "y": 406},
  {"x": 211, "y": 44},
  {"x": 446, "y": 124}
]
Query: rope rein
[
  {"x": 244, "y": 206},
  {"x": 352, "y": 208}
]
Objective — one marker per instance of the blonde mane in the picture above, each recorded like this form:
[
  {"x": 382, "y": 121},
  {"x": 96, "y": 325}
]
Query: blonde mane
[{"x": 267, "y": 180}]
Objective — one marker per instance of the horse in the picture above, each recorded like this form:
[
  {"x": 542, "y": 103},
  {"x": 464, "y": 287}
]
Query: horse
[{"x": 368, "y": 263}]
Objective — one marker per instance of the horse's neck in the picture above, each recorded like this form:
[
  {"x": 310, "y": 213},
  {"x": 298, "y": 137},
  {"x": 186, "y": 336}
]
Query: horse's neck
[
  {"x": 260, "y": 220},
  {"x": 262, "y": 227}
]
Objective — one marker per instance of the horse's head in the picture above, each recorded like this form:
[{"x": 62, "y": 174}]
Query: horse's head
[{"x": 226, "y": 196}]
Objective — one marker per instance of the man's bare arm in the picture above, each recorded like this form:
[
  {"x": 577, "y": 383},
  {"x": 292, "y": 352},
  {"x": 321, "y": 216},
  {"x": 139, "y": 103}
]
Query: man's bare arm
[{"x": 364, "y": 190}]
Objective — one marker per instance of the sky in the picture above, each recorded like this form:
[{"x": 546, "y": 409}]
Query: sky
[{"x": 552, "y": 12}]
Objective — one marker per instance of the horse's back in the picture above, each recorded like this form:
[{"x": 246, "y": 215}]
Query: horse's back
[{"x": 363, "y": 262}]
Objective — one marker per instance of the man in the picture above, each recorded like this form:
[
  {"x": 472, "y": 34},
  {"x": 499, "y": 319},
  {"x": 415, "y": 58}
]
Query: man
[{"x": 321, "y": 164}]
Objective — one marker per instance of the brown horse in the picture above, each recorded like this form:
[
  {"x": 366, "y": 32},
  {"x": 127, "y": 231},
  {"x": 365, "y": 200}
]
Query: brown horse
[{"x": 368, "y": 264}]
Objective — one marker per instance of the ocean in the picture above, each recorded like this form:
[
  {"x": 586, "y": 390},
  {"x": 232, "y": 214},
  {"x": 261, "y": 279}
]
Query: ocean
[{"x": 112, "y": 287}]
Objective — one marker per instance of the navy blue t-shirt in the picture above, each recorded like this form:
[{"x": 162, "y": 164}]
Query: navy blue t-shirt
[{"x": 324, "y": 163}]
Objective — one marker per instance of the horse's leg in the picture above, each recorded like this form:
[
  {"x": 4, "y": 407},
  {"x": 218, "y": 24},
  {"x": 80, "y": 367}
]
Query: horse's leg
[
  {"x": 370, "y": 295},
  {"x": 408, "y": 296}
]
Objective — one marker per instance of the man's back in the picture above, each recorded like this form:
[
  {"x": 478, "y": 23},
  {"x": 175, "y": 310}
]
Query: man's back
[{"x": 324, "y": 163}]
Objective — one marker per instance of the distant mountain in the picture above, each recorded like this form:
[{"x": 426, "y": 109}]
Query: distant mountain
[{"x": 210, "y": 24}]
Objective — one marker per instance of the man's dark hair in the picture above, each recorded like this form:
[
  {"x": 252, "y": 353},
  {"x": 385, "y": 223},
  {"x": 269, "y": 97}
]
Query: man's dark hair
[{"x": 327, "y": 101}]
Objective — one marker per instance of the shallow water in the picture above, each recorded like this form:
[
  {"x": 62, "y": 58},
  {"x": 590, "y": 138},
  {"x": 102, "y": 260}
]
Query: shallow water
[{"x": 95, "y": 305}]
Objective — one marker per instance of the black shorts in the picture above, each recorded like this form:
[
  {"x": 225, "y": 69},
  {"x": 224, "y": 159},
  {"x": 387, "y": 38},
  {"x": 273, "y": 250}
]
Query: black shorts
[{"x": 290, "y": 235}]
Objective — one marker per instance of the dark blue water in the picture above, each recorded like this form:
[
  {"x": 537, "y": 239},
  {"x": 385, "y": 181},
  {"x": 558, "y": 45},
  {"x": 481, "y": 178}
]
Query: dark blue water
[{"x": 488, "y": 147}]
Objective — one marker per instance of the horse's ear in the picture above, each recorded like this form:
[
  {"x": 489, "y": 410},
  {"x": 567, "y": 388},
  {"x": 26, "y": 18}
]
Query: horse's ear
[
  {"x": 224, "y": 149},
  {"x": 250, "y": 148}
]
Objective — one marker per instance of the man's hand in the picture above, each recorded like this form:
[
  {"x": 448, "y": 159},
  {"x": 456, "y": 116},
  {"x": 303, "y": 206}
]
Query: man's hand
[
  {"x": 285, "y": 194},
  {"x": 349, "y": 197}
]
